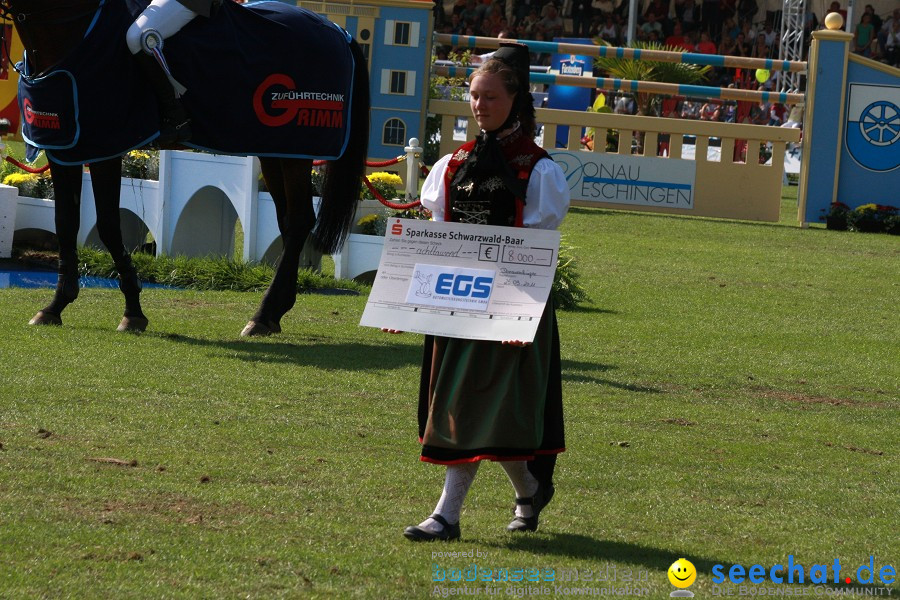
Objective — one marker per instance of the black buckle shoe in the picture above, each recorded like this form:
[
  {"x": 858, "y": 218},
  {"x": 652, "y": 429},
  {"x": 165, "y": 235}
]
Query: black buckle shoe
[
  {"x": 414, "y": 533},
  {"x": 541, "y": 498}
]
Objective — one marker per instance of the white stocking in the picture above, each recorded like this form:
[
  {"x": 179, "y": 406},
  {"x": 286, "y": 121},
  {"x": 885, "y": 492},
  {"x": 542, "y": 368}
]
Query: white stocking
[
  {"x": 456, "y": 486},
  {"x": 523, "y": 482}
]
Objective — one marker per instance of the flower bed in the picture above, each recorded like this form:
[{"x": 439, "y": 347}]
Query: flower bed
[{"x": 868, "y": 218}]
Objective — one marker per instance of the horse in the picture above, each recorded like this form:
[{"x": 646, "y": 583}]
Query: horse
[{"x": 56, "y": 34}]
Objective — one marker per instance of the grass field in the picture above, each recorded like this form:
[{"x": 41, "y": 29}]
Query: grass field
[{"x": 731, "y": 397}]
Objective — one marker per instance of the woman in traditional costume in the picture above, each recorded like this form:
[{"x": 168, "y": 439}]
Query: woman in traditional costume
[
  {"x": 500, "y": 401},
  {"x": 159, "y": 21}
]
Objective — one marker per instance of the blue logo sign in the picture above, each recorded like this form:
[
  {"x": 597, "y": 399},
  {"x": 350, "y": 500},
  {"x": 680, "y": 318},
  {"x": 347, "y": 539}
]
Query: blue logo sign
[
  {"x": 456, "y": 288},
  {"x": 463, "y": 286},
  {"x": 873, "y": 126}
]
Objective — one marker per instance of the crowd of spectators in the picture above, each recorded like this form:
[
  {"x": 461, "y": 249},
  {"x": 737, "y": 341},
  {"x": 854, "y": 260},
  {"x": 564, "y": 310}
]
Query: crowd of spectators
[
  {"x": 727, "y": 27},
  {"x": 730, "y": 27}
]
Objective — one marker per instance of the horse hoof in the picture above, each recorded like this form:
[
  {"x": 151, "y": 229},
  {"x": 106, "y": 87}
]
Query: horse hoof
[
  {"x": 257, "y": 329},
  {"x": 45, "y": 318},
  {"x": 133, "y": 324}
]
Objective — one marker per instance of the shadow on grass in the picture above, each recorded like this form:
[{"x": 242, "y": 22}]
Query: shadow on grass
[
  {"x": 577, "y": 371},
  {"x": 571, "y": 545},
  {"x": 321, "y": 354},
  {"x": 317, "y": 353},
  {"x": 586, "y": 309}
]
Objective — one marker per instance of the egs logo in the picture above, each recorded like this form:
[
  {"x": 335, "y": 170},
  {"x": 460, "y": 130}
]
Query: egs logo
[{"x": 460, "y": 285}]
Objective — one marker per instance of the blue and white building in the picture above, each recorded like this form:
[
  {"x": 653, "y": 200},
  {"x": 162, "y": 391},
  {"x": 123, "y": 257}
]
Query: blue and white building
[{"x": 396, "y": 38}]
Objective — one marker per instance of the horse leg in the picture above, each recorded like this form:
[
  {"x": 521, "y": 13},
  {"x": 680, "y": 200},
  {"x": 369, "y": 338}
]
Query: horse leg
[
  {"x": 106, "y": 179},
  {"x": 290, "y": 184},
  {"x": 67, "y": 214}
]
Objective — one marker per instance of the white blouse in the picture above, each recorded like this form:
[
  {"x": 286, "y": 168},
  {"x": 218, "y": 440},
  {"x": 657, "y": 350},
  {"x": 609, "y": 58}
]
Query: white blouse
[{"x": 546, "y": 199}]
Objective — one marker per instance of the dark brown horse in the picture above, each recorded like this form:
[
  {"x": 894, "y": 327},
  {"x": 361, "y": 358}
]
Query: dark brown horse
[{"x": 50, "y": 31}]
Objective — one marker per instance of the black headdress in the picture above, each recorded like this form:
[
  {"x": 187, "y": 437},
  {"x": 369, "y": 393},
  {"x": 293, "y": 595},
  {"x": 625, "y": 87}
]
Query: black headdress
[{"x": 516, "y": 57}]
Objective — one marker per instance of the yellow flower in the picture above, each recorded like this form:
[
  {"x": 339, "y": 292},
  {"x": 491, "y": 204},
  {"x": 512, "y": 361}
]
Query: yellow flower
[
  {"x": 367, "y": 219},
  {"x": 867, "y": 208},
  {"x": 388, "y": 178},
  {"x": 139, "y": 155},
  {"x": 16, "y": 179}
]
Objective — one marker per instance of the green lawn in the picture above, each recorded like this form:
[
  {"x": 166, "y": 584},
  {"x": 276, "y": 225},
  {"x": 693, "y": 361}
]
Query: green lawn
[{"x": 731, "y": 397}]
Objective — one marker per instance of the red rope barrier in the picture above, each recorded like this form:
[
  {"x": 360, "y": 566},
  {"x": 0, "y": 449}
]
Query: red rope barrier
[
  {"x": 388, "y": 203},
  {"x": 386, "y": 163},
  {"x": 371, "y": 164},
  {"x": 25, "y": 167}
]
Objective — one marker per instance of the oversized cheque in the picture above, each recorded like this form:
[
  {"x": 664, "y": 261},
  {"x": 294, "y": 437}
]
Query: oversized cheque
[{"x": 466, "y": 281}]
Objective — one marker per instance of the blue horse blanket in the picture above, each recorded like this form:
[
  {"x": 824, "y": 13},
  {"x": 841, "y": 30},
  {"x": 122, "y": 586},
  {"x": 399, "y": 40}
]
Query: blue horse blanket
[{"x": 267, "y": 79}]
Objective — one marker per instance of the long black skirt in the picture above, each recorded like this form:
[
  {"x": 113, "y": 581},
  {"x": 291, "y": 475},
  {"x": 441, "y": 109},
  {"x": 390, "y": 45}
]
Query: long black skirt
[{"x": 484, "y": 400}]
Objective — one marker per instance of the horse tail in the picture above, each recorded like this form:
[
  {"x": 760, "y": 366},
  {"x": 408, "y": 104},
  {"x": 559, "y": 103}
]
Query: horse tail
[{"x": 341, "y": 185}]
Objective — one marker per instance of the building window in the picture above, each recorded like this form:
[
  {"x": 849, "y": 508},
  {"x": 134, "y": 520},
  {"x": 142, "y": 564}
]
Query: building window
[
  {"x": 401, "y": 34},
  {"x": 398, "y": 82},
  {"x": 394, "y": 133}
]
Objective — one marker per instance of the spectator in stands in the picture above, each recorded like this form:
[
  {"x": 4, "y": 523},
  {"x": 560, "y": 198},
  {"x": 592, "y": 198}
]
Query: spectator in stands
[
  {"x": 690, "y": 110},
  {"x": 876, "y": 20},
  {"x": 771, "y": 36},
  {"x": 706, "y": 46},
  {"x": 552, "y": 24},
  {"x": 748, "y": 30},
  {"x": 886, "y": 28},
  {"x": 836, "y": 7},
  {"x": 727, "y": 45},
  {"x": 709, "y": 111},
  {"x": 609, "y": 31},
  {"x": 741, "y": 46},
  {"x": 761, "y": 49},
  {"x": 776, "y": 114},
  {"x": 727, "y": 112},
  {"x": 469, "y": 14},
  {"x": 651, "y": 24},
  {"x": 730, "y": 28},
  {"x": 457, "y": 26},
  {"x": 864, "y": 36},
  {"x": 625, "y": 105},
  {"x": 795, "y": 117},
  {"x": 678, "y": 39},
  {"x": 530, "y": 22},
  {"x": 892, "y": 44}
]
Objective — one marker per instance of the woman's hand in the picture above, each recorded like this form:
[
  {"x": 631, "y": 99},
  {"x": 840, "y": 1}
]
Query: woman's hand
[
  {"x": 386, "y": 330},
  {"x": 516, "y": 343}
]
